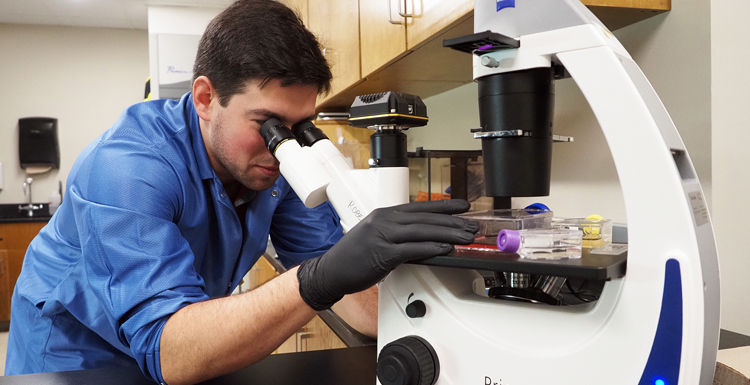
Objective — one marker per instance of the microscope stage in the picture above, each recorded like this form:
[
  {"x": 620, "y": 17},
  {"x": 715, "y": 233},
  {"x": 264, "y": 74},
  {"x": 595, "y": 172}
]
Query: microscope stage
[{"x": 591, "y": 266}]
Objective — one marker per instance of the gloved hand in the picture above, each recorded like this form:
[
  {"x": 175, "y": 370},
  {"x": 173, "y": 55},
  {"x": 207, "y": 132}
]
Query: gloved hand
[{"x": 385, "y": 239}]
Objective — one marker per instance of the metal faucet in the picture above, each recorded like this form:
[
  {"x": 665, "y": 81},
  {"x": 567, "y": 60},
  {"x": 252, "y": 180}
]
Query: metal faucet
[{"x": 30, "y": 207}]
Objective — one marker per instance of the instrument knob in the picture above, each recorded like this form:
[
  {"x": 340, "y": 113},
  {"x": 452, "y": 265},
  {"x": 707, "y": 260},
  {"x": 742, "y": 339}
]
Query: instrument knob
[
  {"x": 409, "y": 360},
  {"x": 416, "y": 309}
]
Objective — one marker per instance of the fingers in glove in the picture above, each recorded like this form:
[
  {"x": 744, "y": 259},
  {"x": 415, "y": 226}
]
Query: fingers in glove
[
  {"x": 418, "y": 250},
  {"x": 446, "y": 206},
  {"x": 419, "y": 232},
  {"x": 403, "y": 218}
]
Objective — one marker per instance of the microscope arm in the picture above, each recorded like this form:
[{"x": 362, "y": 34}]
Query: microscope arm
[{"x": 633, "y": 117}]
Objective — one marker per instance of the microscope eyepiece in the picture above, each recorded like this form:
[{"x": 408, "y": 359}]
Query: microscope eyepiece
[
  {"x": 307, "y": 133},
  {"x": 274, "y": 133}
]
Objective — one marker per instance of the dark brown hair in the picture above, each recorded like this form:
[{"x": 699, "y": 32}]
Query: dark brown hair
[{"x": 259, "y": 40}]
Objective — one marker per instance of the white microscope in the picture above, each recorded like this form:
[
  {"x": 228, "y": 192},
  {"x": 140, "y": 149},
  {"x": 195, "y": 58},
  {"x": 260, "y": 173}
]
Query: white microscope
[{"x": 656, "y": 321}]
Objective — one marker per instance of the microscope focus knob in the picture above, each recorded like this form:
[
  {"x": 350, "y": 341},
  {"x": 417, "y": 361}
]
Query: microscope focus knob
[
  {"x": 409, "y": 360},
  {"x": 416, "y": 309}
]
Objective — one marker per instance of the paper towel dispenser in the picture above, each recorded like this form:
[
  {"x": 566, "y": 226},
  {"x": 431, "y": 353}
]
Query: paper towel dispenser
[{"x": 38, "y": 146}]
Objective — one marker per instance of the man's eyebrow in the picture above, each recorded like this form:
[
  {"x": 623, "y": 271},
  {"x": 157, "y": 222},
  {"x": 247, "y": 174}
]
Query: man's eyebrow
[{"x": 268, "y": 114}]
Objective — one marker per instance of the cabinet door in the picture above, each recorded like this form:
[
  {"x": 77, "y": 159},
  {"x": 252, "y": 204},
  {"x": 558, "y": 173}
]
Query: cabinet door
[
  {"x": 318, "y": 336},
  {"x": 5, "y": 292},
  {"x": 15, "y": 240},
  {"x": 336, "y": 25},
  {"x": 355, "y": 145},
  {"x": 381, "y": 41},
  {"x": 430, "y": 17}
]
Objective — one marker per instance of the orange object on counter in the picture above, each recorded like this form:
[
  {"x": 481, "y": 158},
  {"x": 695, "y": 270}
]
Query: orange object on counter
[{"x": 422, "y": 196}]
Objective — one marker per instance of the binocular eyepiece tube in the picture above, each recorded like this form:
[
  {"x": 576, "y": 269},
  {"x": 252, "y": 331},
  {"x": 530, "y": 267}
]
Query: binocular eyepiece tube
[
  {"x": 275, "y": 133},
  {"x": 299, "y": 165}
]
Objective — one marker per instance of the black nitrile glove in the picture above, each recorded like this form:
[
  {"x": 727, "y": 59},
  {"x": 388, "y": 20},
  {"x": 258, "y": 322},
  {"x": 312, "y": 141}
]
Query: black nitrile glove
[{"x": 385, "y": 239}]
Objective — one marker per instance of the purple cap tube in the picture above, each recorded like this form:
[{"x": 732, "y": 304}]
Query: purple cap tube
[{"x": 508, "y": 241}]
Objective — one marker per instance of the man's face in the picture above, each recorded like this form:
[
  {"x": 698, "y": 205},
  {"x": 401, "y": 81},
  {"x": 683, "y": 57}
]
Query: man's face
[{"x": 232, "y": 136}]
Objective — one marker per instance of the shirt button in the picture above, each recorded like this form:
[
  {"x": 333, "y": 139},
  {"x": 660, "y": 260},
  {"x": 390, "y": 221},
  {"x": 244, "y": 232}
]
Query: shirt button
[
  {"x": 274, "y": 193},
  {"x": 223, "y": 195}
]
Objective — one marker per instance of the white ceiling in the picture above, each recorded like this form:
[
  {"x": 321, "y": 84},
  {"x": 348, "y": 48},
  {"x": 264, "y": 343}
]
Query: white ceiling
[{"x": 90, "y": 13}]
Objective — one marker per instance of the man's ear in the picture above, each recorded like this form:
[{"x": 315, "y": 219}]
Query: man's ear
[{"x": 203, "y": 94}]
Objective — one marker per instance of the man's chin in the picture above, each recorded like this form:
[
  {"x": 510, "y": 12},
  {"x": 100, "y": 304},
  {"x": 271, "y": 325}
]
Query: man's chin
[{"x": 259, "y": 184}]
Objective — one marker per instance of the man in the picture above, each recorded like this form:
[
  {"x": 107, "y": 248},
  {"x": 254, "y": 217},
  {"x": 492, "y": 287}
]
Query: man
[{"x": 167, "y": 210}]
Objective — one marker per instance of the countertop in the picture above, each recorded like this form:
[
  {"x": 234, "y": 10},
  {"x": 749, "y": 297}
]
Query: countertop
[
  {"x": 349, "y": 366},
  {"x": 9, "y": 213}
]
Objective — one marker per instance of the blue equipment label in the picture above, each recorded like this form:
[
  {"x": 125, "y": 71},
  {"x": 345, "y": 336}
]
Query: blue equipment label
[{"x": 505, "y": 4}]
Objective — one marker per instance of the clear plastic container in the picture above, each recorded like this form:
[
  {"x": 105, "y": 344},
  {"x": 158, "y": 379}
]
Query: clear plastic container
[
  {"x": 491, "y": 222},
  {"x": 541, "y": 244},
  {"x": 597, "y": 232}
]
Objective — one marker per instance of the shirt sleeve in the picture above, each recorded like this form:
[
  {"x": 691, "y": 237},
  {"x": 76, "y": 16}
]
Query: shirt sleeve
[
  {"x": 299, "y": 233},
  {"x": 127, "y": 198}
]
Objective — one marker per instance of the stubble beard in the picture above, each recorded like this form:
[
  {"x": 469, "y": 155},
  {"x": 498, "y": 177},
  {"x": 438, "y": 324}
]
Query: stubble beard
[{"x": 236, "y": 171}]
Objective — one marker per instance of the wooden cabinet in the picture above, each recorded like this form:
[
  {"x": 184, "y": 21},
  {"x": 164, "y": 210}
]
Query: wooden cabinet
[
  {"x": 382, "y": 33},
  {"x": 4, "y": 286},
  {"x": 406, "y": 54},
  {"x": 354, "y": 144},
  {"x": 616, "y": 14},
  {"x": 315, "y": 335},
  {"x": 431, "y": 17},
  {"x": 336, "y": 24},
  {"x": 15, "y": 240},
  {"x": 387, "y": 35}
]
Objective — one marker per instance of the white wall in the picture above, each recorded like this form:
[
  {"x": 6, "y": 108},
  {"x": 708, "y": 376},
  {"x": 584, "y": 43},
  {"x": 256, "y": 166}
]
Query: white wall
[
  {"x": 84, "y": 77},
  {"x": 730, "y": 130}
]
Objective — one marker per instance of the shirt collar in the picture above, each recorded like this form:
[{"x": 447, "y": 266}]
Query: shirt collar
[{"x": 246, "y": 196}]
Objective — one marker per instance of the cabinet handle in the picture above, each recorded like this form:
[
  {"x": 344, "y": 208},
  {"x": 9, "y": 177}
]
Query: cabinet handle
[
  {"x": 406, "y": 14},
  {"x": 301, "y": 336},
  {"x": 391, "y": 11}
]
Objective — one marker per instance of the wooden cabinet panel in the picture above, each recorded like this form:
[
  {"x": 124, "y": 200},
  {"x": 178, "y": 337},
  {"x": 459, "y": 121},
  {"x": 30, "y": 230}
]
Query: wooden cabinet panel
[
  {"x": 426, "y": 71},
  {"x": 430, "y": 17},
  {"x": 15, "y": 240},
  {"x": 381, "y": 41},
  {"x": 355, "y": 144},
  {"x": 5, "y": 292},
  {"x": 426, "y": 68},
  {"x": 616, "y": 14},
  {"x": 664, "y": 5},
  {"x": 315, "y": 335},
  {"x": 336, "y": 24}
]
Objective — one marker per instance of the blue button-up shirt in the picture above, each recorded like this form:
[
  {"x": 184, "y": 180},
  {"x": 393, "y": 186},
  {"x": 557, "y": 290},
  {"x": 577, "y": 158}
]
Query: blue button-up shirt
[{"x": 145, "y": 229}]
